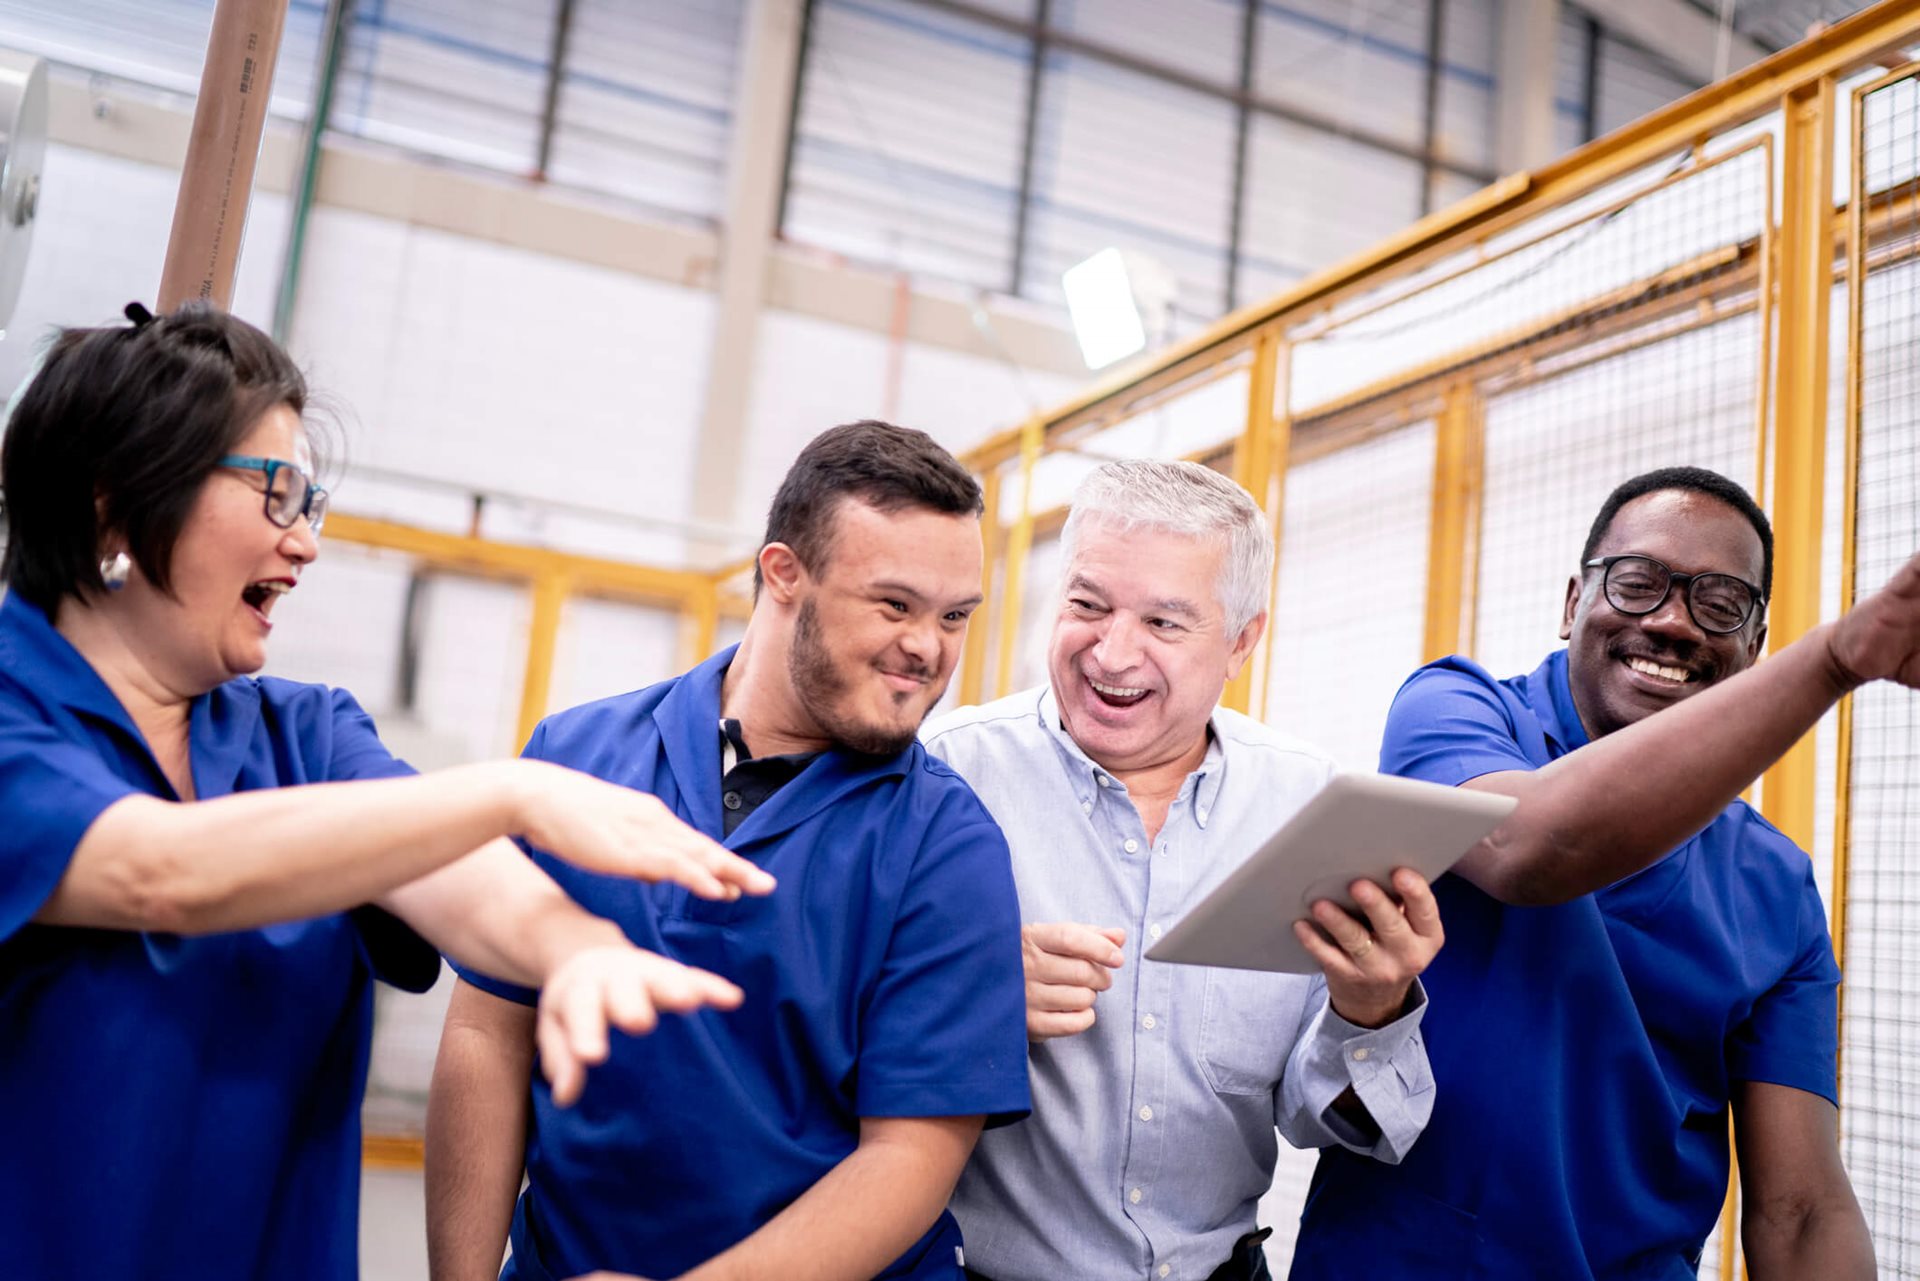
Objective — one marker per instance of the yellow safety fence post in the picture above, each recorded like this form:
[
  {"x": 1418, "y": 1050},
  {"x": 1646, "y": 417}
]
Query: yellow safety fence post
[
  {"x": 1800, "y": 405},
  {"x": 1019, "y": 543},
  {"x": 700, "y": 620},
  {"x": 1805, "y": 276},
  {"x": 1453, "y": 538},
  {"x": 1253, "y": 469},
  {"x": 973, "y": 653},
  {"x": 543, "y": 636}
]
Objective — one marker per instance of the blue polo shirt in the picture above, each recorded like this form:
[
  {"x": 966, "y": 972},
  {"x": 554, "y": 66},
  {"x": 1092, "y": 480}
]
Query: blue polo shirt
[
  {"x": 882, "y": 979},
  {"x": 177, "y": 1107},
  {"x": 1583, "y": 1054}
]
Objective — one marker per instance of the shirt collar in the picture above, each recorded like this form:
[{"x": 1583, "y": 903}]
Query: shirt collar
[
  {"x": 688, "y": 716},
  {"x": 1550, "y": 694},
  {"x": 49, "y": 664},
  {"x": 1089, "y": 776},
  {"x": 220, "y": 722}
]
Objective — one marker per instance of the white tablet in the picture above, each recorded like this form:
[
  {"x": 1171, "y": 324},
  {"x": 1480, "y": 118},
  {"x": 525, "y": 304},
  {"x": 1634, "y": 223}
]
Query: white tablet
[{"x": 1358, "y": 825}]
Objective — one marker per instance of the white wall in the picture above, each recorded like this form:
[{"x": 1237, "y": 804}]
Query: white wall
[{"x": 99, "y": 240}]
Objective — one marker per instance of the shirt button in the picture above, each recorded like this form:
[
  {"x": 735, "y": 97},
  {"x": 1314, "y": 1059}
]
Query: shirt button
[
  {"x": 1086, "y": 807},
  {"x": 731, "y": 800},
  {"x": 1147, "y": 1022},
  {"x": 1134, "y": 1196},
  {"x": 1103, "y": 780},
  {"x": 1360, "y": 1055},
  {"x": 1165, "y": 1268},
  {"x": 1132, "y": 846},
  {"x": 1154, "y": 930},
  {"x": 1146, "y": 1113}
]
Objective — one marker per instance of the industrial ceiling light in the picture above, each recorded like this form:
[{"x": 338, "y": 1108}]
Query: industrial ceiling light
[{"x": 1118, "y": 300}]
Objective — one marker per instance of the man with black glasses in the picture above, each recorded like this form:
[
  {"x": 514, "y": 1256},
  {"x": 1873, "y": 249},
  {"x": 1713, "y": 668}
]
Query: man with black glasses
[{"x": 1635, "y": 954}]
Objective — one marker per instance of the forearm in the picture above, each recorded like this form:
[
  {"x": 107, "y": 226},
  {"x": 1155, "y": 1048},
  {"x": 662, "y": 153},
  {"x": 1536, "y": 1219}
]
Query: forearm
[
  {"x": 241, "y": 861},
  {"x": 495, "y": 912},
  {"x": 476, "y": 1135},
  {"x": 1620, "y": 804},
  {"x": 863, "y": 1215}
]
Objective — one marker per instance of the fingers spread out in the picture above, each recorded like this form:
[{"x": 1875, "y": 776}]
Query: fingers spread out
[
  {"x": 565, "y": 1075},
  {"x": 630, "y": 1008},
  {"x": 582, "y": 1009},
  {"x": 704, "y": 867},
  {"x": 740, "y": 875},
  {"x": 623, "y": 987},
  {"x": 652, "y": 844},
  {"x": 681, "y": 988}
]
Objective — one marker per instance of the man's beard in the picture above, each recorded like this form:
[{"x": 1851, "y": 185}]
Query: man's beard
[{"x": 821, "y": 686}]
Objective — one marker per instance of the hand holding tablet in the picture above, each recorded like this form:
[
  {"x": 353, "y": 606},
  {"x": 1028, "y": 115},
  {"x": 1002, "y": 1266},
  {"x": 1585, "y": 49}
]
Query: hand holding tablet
[{"x": 1358, "y": 827}]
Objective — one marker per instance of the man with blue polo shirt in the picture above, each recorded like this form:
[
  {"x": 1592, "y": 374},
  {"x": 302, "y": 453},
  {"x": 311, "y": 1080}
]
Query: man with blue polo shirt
[
  {"x": 1636, "y": 954},
  {"x": 818, "y": 1130}
]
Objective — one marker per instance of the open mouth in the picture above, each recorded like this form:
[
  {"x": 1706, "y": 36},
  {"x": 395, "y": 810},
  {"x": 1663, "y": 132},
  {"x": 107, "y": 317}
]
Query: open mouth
[
  {"x": 260, "y": 596},
  {"x": 1663, "y": 673},
  {"x": 1117, "y": 695}
]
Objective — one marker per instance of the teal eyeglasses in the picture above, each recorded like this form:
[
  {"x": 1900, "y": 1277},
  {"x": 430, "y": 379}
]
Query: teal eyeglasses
[{"x": 291, "y": 493}]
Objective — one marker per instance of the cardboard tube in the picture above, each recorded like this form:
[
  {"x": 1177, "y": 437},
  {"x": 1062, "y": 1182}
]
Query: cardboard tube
[{"x": 210, "y": 214}]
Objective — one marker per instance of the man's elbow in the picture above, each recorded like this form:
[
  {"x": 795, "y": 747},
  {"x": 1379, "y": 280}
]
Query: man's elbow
[
  {"x": 1786, "y": 1231},
  {"x": 1523, "y": 868}
]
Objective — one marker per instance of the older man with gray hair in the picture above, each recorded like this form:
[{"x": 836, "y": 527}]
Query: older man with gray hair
[{"x": 1126, "y": 794}]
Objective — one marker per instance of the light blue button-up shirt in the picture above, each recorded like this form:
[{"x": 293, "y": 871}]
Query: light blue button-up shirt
[{"x": 1152, "y": 1134}]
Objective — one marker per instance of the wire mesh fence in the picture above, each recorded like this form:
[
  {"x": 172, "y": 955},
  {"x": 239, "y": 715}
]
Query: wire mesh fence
[{"x": 1880, "y": 1047}]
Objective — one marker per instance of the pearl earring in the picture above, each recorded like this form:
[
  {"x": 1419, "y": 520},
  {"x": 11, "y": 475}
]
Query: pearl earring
[{"x": 114, "y": 571}]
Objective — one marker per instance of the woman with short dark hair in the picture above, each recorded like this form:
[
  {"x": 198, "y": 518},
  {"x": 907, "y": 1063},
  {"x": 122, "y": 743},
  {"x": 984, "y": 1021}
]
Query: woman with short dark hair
[{"x": 201, "y": 872}]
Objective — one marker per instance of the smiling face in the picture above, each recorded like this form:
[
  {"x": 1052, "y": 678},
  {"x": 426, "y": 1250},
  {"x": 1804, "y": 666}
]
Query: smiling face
[
  {"x": 229, "y": 567},
  {"x": 1140, "y": 651},
  {"x": 877, "y": 631},
  {"x": 1623, "y": 667}
]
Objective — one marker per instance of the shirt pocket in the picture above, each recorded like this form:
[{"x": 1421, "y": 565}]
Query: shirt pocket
[{"x": 1248, "y": 1020}]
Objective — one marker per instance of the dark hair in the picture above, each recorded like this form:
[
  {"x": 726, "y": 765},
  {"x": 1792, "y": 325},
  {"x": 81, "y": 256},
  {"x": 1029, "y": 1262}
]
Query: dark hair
[
  {"x": 889, "y": 467},
  {"x": 118, "y": 431},
  {"x": 1696, "y": 480}
]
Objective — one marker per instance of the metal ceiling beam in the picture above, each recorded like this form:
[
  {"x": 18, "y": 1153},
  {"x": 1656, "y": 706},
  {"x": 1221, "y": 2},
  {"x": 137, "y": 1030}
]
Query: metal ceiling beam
[{"x": 1676, "y": 32}]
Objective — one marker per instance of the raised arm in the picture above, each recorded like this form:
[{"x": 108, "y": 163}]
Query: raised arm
[{"x": 1622, "y": 803}]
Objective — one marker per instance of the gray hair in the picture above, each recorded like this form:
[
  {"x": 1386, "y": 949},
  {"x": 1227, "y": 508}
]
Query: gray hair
[{"x": 1183, "y": 498}]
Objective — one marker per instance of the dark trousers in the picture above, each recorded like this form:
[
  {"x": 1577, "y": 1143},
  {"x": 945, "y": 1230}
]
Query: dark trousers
[{"x": 1248, "y": 1262}]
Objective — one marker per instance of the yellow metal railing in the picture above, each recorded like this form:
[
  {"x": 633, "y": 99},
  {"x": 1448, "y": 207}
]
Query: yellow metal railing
[{"x": 1784, "y": 277}]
